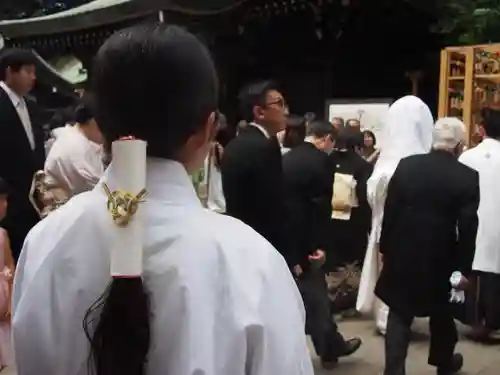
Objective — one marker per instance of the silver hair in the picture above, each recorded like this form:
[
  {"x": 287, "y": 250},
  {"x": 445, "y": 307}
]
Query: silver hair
[{"x": 448, "y": 133}]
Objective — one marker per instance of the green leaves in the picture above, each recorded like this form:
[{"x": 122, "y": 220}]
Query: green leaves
[{"x": 469, "y": 22}]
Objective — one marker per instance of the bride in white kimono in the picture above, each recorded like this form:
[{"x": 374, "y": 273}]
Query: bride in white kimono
[
  {"x": 188, "y": 291},
  {"x": 407, "y": 130}
]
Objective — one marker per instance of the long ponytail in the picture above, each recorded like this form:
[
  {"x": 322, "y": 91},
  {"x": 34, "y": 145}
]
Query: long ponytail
[{"x": 117, "y": 325}]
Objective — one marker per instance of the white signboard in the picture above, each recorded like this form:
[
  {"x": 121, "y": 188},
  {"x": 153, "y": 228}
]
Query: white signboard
[{"x": 370, "y": 113}]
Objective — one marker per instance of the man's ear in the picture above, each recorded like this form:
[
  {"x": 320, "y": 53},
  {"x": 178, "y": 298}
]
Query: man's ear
[
  {"x": 211, "y": 127},
  {"x": 481, "y": 131},
  {"x": 258, "y": 112}
]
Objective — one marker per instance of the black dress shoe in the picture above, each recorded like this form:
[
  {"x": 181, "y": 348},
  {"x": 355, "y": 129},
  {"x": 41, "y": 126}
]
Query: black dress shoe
[
  {"x": 351, "y": 346},
  {"x": 456, "y": 365},
  {"x": 329, "y": 364}
]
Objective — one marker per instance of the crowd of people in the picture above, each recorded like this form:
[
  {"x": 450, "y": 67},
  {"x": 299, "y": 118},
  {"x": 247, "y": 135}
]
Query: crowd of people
[{"x": 187, "y": 253}]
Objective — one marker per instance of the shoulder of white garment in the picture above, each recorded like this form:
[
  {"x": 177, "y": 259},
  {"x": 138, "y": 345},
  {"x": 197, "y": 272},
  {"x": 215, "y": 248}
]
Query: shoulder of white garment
[
  {"x": 206, "y": 273},
  {"x": 204, "y": 236},
  {"x": 470, "y": 155}
]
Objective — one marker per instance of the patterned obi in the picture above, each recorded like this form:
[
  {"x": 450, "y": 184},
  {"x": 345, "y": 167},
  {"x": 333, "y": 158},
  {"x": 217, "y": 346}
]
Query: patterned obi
[{"x": 46, "y": 195}]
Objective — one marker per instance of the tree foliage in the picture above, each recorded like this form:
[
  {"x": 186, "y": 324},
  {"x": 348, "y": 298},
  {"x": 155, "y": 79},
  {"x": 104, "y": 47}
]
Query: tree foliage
[{"x": 469, "y": 21}]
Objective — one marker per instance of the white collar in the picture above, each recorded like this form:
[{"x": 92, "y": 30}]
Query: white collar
[
  {"x": 14, "y": 98},
  {"x": 166, "y": 181},
  {"x": 309, "y": 139},
  {"x": 490, "y": 142},
  {"x": 261, "y": 128}
]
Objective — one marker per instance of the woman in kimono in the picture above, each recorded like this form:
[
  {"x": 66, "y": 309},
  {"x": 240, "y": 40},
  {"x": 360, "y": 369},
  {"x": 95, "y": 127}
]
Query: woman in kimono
[
  {"x": 75, "y": 160},
  {"x": 161, "y": 285},
  {"x": 74, "y": 163},
  {"x": 407, "y": 130}
]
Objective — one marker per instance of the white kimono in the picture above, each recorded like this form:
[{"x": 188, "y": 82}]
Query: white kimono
[
  {"x": 407, "y": 130},
  {"x": 485, "y": 159},
  {"x": 74, "y": 162},
  {"x": 223, "y": 300}
]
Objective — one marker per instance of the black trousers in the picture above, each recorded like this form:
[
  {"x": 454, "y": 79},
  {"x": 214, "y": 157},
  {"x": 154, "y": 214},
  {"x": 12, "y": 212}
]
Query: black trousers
[
  {"x": 444, "y": 337},
  {"x": 488, "y": 304},
  {"x": 328, "y": 342}
]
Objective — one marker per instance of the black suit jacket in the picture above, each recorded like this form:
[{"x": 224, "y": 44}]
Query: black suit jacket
[
  {"x": 252, "y": 181},
  {"x": 308, "y": 186},
  {"x": 428, "y": 232},
  {"x": 18, "y": 163},
  {"x": 349, "y": 238}
]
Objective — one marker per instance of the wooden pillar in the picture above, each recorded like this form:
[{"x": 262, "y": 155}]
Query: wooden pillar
[
  {"x": 444, "y": 84},
  {"x": 468, "y": 92}
]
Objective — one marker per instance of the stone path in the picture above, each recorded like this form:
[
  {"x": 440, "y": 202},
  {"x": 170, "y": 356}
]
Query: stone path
[{"x": 369, "y": 360}]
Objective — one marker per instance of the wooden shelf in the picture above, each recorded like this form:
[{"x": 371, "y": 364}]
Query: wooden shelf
[
  {"x": 469, "y": 81},
  {"x": 493, "y": 78}
]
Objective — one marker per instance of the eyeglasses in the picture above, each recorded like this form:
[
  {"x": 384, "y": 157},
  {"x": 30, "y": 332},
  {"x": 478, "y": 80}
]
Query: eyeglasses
[{"x": 279, "y": 101}]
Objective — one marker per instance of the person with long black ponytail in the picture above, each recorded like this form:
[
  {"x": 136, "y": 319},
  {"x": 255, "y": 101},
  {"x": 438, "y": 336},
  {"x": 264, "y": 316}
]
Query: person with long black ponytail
[{"x": 135, "y": 277}]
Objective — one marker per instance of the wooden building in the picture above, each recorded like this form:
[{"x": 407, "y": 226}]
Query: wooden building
[{"x": 318, "y": 49}]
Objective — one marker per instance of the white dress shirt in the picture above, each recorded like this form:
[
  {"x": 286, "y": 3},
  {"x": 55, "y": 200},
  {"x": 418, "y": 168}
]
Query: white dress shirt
[
  {"x": 22, "y": 110},
  {"x": 261, "y": 128}
]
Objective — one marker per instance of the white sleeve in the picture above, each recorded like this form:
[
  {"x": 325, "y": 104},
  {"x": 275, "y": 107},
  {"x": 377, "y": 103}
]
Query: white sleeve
[
  {"x": 50, "y": 305},
  {"x": 91, "y": 168},
  {"x": 228, "y": 320},
  {"x": 280, "y": 346}
]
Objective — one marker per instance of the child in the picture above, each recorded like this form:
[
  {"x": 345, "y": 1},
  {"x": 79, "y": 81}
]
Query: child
[{"x": 6, "y": 277}]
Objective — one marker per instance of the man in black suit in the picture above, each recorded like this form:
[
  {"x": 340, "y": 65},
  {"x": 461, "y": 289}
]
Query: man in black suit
[
  {"x": 252, "y": 174},
  {"x": 21, "y": 142},
  {"x": 308, "y": 191},
  {"x": 428, "y": 234}
]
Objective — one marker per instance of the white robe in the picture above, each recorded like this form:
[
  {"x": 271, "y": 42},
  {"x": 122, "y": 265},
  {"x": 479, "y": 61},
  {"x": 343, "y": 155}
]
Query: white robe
[
  {"x": 485, "y": 159},
  {"x": 74, "y": 162},
  {"x": 407, "y": 130},
  {"x": 223, "y": 299}
]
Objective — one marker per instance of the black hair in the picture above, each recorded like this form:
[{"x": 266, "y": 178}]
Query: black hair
[
  {"x": 372, "y": 135},
  {"x": 84, "y": 111},
  {"x": 129, "y": 65},
  {"x": 348, "y": 139},
  {"x": 341, "y": 119},
  {"x": 295, "y": 131},
  {"x": 485, "y": 111},
  {"x": 348, "y": 122},
  {"x": 4, "y": 187},
  {"x": 15, "y": 59},
  {"x": 178, "y": 63},
  {"x": 491, "y": 123},
  {"x": 254, "y": 95},
  {"x": 320, "y": 129},
  {"x": 61, "y": 117}
]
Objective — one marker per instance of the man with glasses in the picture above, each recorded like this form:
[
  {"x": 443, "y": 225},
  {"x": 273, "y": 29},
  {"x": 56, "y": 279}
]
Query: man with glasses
[{"x": 252, "y": 174}]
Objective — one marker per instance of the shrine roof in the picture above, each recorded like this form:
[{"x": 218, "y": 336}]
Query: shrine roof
[{"x": 103, "y": 12}]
